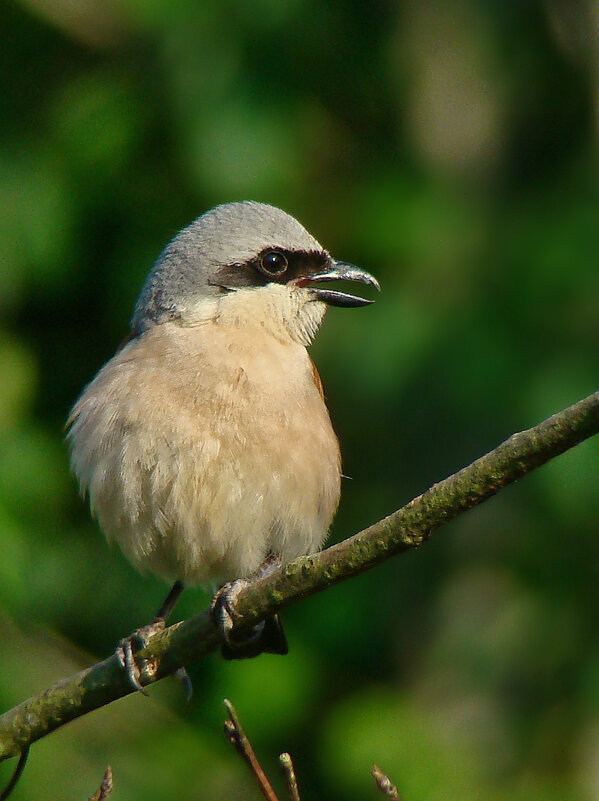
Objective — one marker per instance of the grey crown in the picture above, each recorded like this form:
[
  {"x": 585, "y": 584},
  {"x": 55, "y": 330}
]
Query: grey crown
[{"x": 232, "y": 233}]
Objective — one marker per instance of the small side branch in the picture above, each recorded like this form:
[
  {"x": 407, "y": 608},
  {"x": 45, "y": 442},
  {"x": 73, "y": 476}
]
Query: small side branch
[
  {"x": 401, "y": 531},
  {"x": 385, "y": 784},
  {"x": 105, "y": 788},
  {"x": 289, "y": 773},
  {"x": 7, "y": 792},
  {"x": 237, "y": 737}
]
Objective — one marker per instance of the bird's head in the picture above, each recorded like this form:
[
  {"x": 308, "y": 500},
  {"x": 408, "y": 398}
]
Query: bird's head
[{"x": 246, "y": 262}]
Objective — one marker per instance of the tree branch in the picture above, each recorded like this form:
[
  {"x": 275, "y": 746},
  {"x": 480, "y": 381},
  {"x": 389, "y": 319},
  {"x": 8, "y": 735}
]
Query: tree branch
[
  {"x": 403, "y": 530},
  {"x": 238, "y": 738}
]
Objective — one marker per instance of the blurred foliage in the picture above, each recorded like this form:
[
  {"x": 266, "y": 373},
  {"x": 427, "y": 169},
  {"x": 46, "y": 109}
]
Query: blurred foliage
[{"x": 451, "y": 149}]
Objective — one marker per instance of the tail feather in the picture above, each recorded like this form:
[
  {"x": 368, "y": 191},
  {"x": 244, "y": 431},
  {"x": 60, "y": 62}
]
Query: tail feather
[{"x": 267, "y": 637}]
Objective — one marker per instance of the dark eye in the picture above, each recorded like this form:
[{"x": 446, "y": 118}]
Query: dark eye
[{"x": 273, "y": 263}]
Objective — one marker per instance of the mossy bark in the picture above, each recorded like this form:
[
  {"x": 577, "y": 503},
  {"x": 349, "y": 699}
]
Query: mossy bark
[{"x": 403, "y": 530}]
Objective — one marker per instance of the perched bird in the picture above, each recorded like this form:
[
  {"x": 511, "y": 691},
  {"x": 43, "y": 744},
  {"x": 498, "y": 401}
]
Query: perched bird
[{"x": 205, "y": 445}]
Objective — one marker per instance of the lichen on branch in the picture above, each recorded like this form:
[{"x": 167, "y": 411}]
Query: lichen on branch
[{"x": 403, "y": 530}]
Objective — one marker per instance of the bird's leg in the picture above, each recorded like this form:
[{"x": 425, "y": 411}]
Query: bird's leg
[
  {"x": 140, "y": 638},
  {"x": 223, "y": 603},
  {"x": 265, "y": 636}
]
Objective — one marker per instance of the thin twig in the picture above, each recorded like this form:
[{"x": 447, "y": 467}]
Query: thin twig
[
  {"x": 289, "y": 773},
  {"x": 105, "y": 788},
  {"x": 16, "y": 775},
  {"x": 238, "y": 738},
  {"x": 401, "y": 531},
  {"x": 385, "y": 784}
]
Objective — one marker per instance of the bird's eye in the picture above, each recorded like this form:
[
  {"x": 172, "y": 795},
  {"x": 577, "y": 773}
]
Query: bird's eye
[{"x": 273, "y": 263}]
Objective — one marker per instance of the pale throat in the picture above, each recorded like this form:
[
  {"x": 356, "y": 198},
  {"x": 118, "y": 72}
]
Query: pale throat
[{"x": 286, "y": 313}]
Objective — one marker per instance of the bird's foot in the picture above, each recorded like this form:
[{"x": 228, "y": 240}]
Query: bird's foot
[
  {"x": 223, "y": 607},
  {"x": 136, "y": 641},
  {"x": 127, "y": 647},
  {"x": 125, "y": 653},
  {"x": 267, "y": 636}
]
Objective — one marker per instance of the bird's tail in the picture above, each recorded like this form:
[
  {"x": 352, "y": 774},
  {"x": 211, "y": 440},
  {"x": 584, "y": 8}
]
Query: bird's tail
[{"x": 267, "y": 637}]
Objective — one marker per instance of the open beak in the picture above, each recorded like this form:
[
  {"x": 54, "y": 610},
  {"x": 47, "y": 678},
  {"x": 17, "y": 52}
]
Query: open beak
[{"x": 340, "y": 271}]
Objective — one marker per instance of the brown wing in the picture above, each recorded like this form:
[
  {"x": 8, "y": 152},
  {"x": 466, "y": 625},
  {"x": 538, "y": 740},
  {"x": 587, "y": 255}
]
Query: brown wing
[
  {"x": 125, "y": 341},
  {"x": 317, "y": 379}
]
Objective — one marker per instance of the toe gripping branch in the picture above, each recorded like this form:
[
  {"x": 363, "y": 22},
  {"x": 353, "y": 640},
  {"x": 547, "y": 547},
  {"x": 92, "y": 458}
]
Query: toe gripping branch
[
  {"x": 140, "y": 637},
  {"x": 242, "y": 642},
  {"x": 265, "y": 637}
]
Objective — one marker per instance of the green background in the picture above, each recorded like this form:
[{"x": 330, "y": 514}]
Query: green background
[{"x": 450, "y": 148}]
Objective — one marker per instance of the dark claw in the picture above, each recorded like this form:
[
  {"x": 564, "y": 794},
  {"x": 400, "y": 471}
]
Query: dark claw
[
  {"x": 265, "y": 637},
  {"x": 125, "y": 652},
  {"x": 223, "y": 607},
  {"x": 182, "y": 676}
]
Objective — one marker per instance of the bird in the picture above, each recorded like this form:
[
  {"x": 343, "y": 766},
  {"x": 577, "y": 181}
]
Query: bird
[{"x": 204, "y": 444}]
